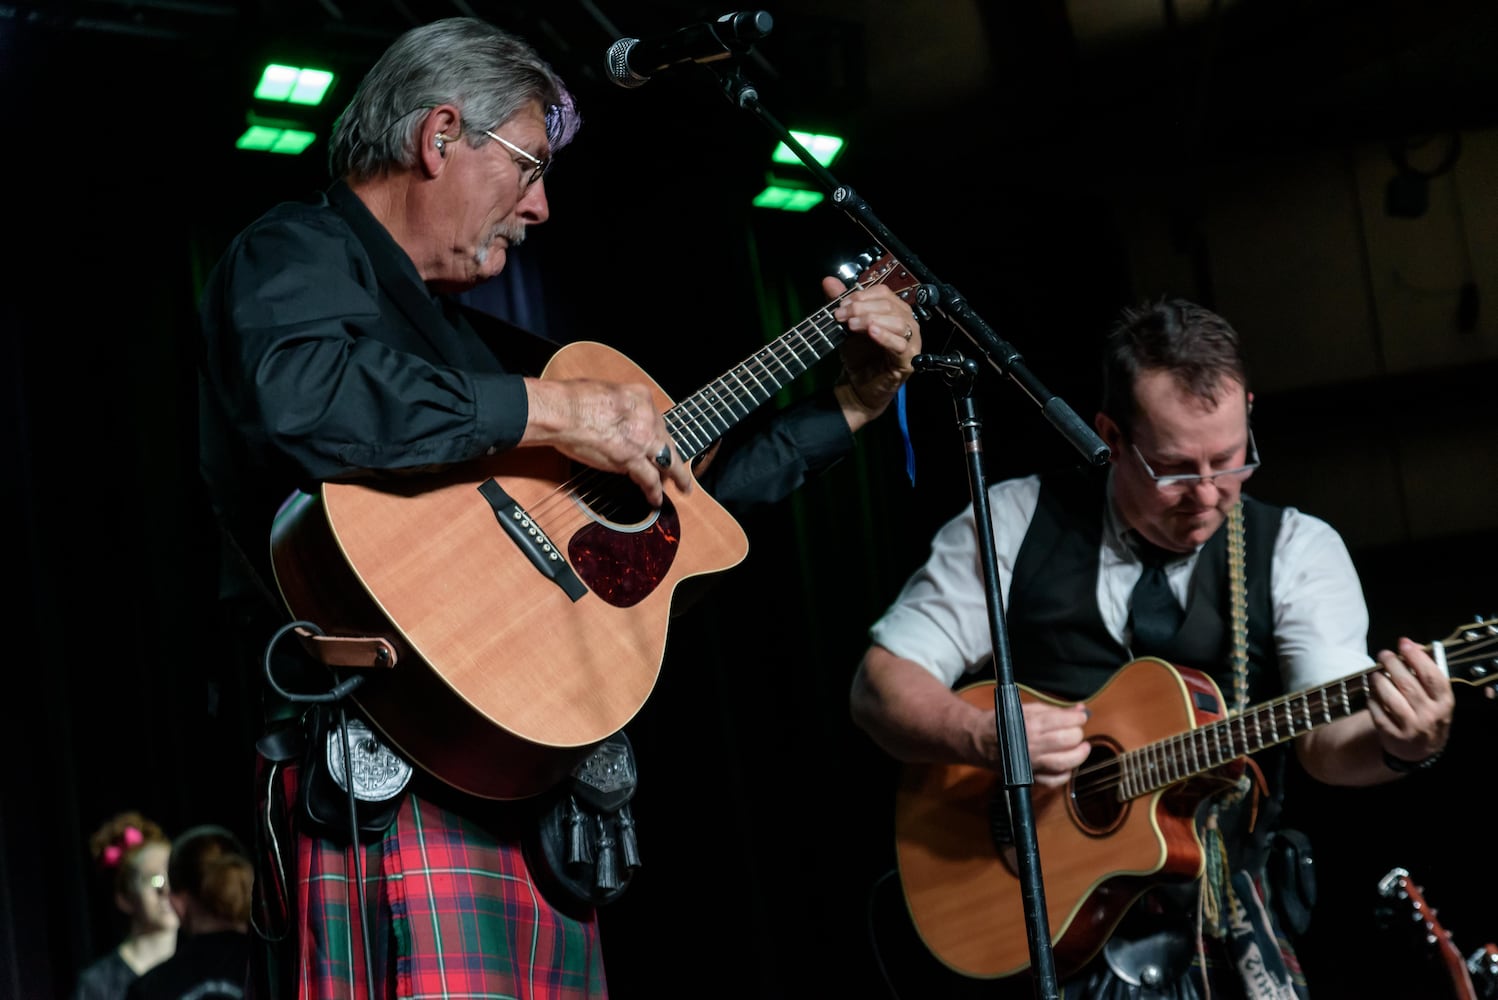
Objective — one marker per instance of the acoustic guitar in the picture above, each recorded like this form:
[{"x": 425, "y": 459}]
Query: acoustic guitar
[
  {"x": 1161, "y": 744},
  {"x": 526, "y": 598}
]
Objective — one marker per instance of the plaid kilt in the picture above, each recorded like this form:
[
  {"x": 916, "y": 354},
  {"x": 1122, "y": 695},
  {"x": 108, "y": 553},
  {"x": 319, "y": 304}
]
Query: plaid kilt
[{"x": 457, "y": 914}]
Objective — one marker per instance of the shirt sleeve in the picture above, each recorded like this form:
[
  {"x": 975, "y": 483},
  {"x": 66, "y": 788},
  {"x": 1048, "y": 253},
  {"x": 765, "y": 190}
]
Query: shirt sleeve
[
  {"x": 940, "y": 618},
  {"x": 1320, "y": 616},
  {"x": 767, "y": 464},
  {"x": 305, "y": 365}
]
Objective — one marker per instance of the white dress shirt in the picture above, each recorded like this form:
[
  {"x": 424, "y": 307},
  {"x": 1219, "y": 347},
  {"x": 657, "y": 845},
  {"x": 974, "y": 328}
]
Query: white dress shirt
[{"x": 940, "y": 618}]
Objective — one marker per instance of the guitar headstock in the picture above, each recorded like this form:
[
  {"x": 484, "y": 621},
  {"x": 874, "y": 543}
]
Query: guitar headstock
[
  {"x": 1398, "y": 887},
  {"x": 877, "y": 266},
  {"x": 1472, "y": 653}
]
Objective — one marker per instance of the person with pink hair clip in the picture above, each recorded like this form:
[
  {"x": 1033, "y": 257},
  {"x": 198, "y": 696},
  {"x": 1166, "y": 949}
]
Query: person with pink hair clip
[{"x": 131, "y": 854}]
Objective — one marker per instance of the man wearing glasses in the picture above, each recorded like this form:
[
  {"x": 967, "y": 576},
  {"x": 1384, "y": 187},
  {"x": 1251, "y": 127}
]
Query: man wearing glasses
[
  {"x": 336, "y": 348},
  {"x": 1161, "y": 555}
]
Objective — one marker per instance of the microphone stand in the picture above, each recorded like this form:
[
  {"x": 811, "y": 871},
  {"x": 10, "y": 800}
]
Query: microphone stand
[
  {"x": 932, "y": 294},
  {"x": 960, "y": 374},
  {"x": 942, "y": 298}
]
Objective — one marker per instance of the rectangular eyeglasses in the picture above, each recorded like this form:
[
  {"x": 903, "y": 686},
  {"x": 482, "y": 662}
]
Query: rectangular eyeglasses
[
  {"x": 539, "y": 166},
  {"x": 1181, "y": 483}
]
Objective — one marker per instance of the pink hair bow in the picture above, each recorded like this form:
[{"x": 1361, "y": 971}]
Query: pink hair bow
[{"x": 114, "y": 853}]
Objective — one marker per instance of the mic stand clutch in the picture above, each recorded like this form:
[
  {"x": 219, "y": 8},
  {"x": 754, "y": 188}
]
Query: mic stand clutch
[{"x": 960, "y": 374}]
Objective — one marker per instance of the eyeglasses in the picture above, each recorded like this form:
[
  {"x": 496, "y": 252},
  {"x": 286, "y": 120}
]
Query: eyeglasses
[
  {"x": 539, "y": 167},
  {"x": 1184, "y": 482}
]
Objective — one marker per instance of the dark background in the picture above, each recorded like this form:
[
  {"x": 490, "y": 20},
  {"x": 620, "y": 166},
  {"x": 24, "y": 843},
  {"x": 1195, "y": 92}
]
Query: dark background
[{"x": 1052, "y": 161}]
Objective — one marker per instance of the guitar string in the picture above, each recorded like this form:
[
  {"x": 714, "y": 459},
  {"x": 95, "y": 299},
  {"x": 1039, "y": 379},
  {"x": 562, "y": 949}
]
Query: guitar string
[
  {"x": 1104, "y": 777},
  {"x": 1121, "y": 774},
  {"x": 600, "y": 491},
  {"x": 593, "y": 489}
]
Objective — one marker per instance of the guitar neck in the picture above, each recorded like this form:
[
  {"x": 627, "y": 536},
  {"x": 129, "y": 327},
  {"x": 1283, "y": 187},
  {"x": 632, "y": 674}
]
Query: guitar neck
[
  {"x": 1186, "y": 755},
  {"x": 709, "y": 413},
  {"x": 1470, "y": 656}
]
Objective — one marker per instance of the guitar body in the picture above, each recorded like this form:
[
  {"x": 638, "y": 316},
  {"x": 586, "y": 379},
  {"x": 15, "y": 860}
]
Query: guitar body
[
  {"x": 504, "y": 679},
  {"x": 1097, "y": 853}
]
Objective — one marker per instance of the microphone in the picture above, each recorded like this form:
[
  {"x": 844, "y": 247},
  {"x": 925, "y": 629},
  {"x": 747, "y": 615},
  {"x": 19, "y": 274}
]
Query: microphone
[{"x": 631, "y": 61}]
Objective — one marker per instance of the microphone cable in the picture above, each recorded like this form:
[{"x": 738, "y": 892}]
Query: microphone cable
[{"x": 340, "y": 690}]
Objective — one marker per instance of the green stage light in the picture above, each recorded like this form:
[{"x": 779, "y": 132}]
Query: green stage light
[
  {"x": 275, "y": 139},
  {"x": 293, "y": 84},
  {"x": 787, "y": 199},
  {"x": 823, "y": 148}
]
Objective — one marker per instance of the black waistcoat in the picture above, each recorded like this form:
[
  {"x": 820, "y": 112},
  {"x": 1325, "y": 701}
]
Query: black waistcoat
[{"x": 1057, "y": 639}]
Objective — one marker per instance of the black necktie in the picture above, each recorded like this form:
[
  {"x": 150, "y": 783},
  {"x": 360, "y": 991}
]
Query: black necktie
[{"x": 1154, "y": 615}]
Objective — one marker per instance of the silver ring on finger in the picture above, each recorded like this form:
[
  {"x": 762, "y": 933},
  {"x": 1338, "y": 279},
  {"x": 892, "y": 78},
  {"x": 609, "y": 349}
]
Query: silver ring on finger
[{"x": 663, "y": 457}]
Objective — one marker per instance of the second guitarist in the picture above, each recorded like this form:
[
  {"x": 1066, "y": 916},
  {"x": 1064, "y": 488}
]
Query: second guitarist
[{"x": 1161, "y": 556}]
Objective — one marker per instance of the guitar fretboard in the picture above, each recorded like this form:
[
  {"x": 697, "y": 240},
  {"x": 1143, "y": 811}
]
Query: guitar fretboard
[
  {"x": 706, "y": 415},
  {"x": 1470, "y": 656},
  {"x": 1187, "y": 755}
]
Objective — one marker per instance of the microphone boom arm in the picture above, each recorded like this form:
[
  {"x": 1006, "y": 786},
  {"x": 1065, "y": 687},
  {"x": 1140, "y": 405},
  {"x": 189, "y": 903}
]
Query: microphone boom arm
[{"x": 1002, "y": 356}]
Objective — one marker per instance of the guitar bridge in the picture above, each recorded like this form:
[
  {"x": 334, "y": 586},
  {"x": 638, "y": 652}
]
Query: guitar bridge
[{"x": 531, "y": 540}]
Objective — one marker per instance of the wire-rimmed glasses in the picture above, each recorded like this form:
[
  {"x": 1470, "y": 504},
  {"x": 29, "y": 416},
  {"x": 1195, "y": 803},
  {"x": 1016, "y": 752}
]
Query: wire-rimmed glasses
[
  {"x": 1183, "y": 482},
  {"x": 538, "y": 166}
]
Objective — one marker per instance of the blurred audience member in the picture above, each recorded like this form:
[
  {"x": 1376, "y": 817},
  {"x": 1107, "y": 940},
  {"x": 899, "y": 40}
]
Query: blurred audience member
[
  {"x": 210, "y": 878},
  {"x": 131, "y": 854}
]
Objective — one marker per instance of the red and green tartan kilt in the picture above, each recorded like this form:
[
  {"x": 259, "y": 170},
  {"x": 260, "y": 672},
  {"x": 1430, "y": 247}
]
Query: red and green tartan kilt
[{"x": 457, "y": 914}]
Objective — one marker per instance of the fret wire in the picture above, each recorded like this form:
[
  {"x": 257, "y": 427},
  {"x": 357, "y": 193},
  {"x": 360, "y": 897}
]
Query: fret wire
[
  {"x": 788, "y": 373},
  {"x": 710, "y": 401},
  {"x": 686, "y": 432},
  {"x": 765, "y": 359},
  {"x": 756, "y": 386},
  {"x": 741, "y": 393},
  {"x": 706, "y": 414},
  {"x": 709, "y": 413}
]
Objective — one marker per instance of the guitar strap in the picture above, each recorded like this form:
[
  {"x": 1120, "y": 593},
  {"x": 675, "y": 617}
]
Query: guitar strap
[
  {"x": 1231, "y": 907},
  {"x": 1148, "y": 952}
]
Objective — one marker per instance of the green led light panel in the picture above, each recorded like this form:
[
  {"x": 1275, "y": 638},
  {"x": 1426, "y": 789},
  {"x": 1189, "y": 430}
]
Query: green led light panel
[
  {"x": 268, "y": 139},
  {"x": 293, "y": 84},
  {"x": 823, "y": 148},
  {"x": 787, "y": 199}
]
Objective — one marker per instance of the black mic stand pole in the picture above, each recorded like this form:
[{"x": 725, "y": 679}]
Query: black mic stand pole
[
  {"x": 960, "y": 374},
  {"x": 942, "y": 298}
]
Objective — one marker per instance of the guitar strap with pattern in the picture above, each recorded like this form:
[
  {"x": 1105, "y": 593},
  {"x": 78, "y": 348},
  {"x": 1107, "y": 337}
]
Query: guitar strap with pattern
[{"x": 1230, "y": 907}]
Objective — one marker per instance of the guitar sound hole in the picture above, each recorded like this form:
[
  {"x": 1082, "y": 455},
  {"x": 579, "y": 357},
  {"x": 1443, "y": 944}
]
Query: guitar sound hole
[
  {"x": 623, "y": 566},
  {"x": 1095, "y": 802},
  {"x": 613, "y": 500}
]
